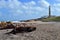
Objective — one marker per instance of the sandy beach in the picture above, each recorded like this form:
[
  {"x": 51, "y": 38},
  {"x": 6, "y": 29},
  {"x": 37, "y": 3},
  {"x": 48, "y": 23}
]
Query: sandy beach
[{"x": 44, "y": 31}]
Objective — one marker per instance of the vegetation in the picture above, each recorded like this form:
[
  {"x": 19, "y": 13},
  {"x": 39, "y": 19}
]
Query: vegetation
[
  {"x": 57, "y": 19},
  {"x": 46, "y": 19}
]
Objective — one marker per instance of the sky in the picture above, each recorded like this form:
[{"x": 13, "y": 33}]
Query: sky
[{"x": 14, "y": 10}]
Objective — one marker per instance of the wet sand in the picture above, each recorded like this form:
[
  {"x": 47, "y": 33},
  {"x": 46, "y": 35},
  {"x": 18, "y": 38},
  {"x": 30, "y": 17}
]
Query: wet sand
[{"x": 44, "y": 31}]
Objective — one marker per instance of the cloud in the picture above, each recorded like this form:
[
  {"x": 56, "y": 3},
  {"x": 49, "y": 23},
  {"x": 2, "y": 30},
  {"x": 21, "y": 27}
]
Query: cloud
[
  {"x": 18, "y": 9},
  {"x": 16, "y": 5},
  {"x": 57, "y": 7},
  {"x": 43, "y": 3},
  {"x": 0, "y": 14},
  {"x": 57, "y": 0},
  {"x": 31, "y": 3},
  {"x": 2, "y": 4},
  {"x": 27, "y": 7}
]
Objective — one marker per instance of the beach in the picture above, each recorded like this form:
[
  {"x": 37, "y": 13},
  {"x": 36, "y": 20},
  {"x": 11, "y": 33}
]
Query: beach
[{"x": 44, "y": 31}]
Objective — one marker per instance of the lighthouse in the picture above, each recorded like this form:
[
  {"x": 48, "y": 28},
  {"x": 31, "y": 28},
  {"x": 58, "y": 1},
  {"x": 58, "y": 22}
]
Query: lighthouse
[{"x": 49, "y": 12}]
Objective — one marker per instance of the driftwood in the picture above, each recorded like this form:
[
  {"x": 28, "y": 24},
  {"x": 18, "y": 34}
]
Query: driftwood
[
  {"x": 19, "y": 28},
  {"x": 22, "y": 30}
]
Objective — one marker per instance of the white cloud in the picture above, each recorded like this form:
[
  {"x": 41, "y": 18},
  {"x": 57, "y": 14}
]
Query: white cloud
[
  {"x": 2, "y": 3},
  {"x": 0, "y": 14},
  {"x": 17, "y": 8},
  {"x": 43, "y": 3},
  {"x": 32, "y": 3},
  {"x": 28, "y": 7},
  {"x": 14, "y": 4},
  {"x": 19, "y": 11},
  {"x": 57, "y": 7},
  {"x": 57, "y": 0}
]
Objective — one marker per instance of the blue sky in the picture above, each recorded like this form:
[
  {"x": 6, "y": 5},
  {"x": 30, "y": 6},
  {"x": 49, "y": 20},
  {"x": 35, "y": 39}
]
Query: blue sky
[{"x": 13, "y": 10}]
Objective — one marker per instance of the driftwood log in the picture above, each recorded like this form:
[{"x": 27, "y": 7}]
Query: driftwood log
[
  {"x": 22, "y": 30},
  {"x": 19, "y": 28}
]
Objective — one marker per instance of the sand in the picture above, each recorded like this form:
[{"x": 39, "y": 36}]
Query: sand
[{"x": 44, "y": 31}]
